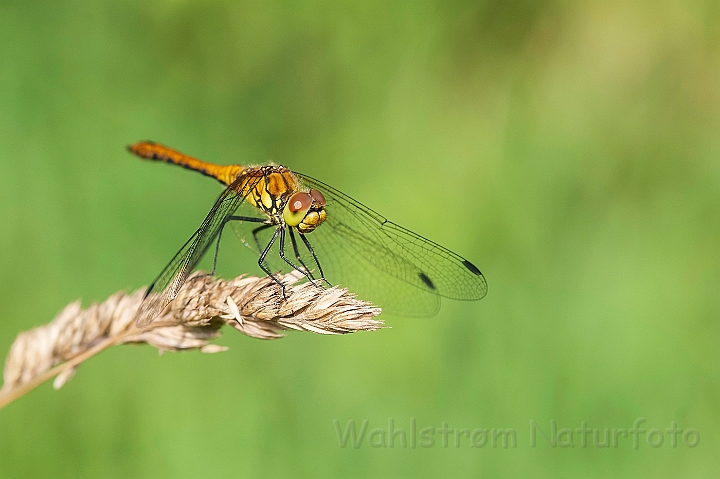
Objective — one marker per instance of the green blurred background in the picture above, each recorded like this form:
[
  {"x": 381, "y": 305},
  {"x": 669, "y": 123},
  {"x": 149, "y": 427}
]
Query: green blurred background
[{"x": 581, "y": 139}]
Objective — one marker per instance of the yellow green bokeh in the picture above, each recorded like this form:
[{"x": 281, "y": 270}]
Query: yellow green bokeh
[{"x": 569, "y": 149}]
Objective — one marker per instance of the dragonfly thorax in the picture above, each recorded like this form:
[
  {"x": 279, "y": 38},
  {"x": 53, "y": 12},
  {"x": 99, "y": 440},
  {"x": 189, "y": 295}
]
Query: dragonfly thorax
[
  {"x": 268, "y": 188},
  {"x": 276, "y": 191}
]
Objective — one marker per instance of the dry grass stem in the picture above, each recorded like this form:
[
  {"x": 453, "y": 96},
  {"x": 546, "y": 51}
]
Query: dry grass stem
[{"x": 253, "y": 306}]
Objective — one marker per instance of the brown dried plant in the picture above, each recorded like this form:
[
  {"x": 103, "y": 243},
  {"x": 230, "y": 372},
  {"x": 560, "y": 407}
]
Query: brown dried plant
[{"x": 253, "y": 306}]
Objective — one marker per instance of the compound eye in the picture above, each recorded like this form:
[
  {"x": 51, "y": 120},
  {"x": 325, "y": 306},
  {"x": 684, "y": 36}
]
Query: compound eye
[
  {"x": 317, "y": 196},
  {"x": 299, "y": 202},
  {"x": 296, "y": 208}
]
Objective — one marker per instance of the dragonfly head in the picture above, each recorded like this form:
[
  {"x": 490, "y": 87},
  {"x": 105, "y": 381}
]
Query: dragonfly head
[{"x": 305, "y": 210}]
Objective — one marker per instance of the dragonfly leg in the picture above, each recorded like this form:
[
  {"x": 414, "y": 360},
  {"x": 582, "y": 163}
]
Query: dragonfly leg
[
  {"x": 312, "y": 252},
  {"x": 282, "y": 255},
  {"x": 297, "y": 255},
  {"x": 226, "y": 221},
  {"x": 263, "y": 255},
  {"x": 256, "y": 231}
]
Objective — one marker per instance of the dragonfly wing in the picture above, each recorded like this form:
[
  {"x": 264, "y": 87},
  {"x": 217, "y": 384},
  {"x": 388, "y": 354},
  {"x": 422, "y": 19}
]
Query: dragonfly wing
[
  {"x": 244, "y": 232},
  {"x": 365, "y": 267},
  {"x": 343, "y": 263},
  {"x": 382, "y": 250},
  {"x": 168, "y": 283}
]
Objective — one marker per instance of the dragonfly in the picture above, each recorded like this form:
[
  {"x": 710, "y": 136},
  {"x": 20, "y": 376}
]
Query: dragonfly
[{"x": 334, "y": 239}]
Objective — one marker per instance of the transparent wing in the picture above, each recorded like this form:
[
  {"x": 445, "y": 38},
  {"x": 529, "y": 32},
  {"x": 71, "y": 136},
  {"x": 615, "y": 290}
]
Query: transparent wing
[
  {"x": 378, "y": 260},
  {"x": 168, "y": 283},
  {"x": 343, "y": 264},
  {"x": 401, "y": 253},
  {"x": 256, "y": 242}
]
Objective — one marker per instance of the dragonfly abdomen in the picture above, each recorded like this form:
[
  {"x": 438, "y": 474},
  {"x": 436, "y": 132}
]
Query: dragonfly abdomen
[{"x": 154, "y": 151}]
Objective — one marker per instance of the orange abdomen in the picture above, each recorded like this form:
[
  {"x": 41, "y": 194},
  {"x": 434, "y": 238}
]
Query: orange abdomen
[{"x": 155, "y": 151}]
